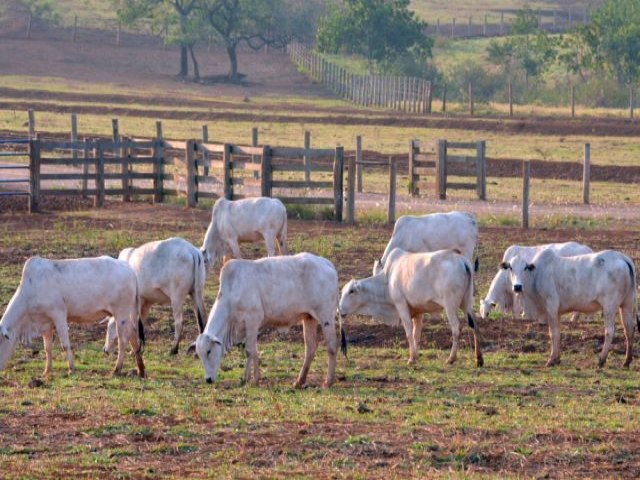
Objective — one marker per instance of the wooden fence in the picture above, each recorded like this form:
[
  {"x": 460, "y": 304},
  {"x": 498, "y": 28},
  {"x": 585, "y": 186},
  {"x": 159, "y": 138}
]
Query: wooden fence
[
  {"x": 440, "y": 167},
  {"x": 406, "y": 94}
]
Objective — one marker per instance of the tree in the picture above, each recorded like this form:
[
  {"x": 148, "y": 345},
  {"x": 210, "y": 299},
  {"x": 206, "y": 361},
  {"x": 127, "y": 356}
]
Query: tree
[
  {"x": 255, "y": 23},
  {"x": 176, "y": 17},
  {"x": 43, "y": 10},
  {"x": 379, "y": 30},
  {"x": 612, "y": 40},
  {"x": 529, "y": 49}
]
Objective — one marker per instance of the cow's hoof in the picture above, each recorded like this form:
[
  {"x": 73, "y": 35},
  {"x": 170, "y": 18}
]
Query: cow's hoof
[
  {"x": 327, "y": 384},
  {"x": 298, "y": 385},
  {"x": 552, "y": 362},
  {"x": 451, "y": 360},
  {"x": 411, "y": 361},
  {"x": 117, "y": 373},
  {"x": 601, "y": 362},
  {"x": 479, "y": 361},
  {"x": 627, "y": 363},
  {"x": 174, "y": 350}
]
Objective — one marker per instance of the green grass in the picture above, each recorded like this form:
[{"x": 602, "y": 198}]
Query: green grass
[{"x": 381, "y": 418}]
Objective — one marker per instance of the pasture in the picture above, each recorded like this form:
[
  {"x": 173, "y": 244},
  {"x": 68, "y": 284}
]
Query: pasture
[{"x": 512, "y": 418}]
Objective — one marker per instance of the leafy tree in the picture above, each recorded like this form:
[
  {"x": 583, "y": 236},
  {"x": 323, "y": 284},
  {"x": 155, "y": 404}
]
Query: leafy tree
[
  {"x": 43, "y": 10},
  {"x": 177, "y": 17},
  {"x": 612, "y": 40},
  {"x": 255, "y": 23},
  {"x": 528, "y": 50},
  {"x": 379, "y": 30}
]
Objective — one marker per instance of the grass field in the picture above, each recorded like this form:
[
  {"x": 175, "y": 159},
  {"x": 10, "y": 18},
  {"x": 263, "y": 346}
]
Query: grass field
[{"x": 382, "y": 419}]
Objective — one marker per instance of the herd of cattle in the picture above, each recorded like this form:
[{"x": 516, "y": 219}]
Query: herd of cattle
[{"x": 426, "y": 267}]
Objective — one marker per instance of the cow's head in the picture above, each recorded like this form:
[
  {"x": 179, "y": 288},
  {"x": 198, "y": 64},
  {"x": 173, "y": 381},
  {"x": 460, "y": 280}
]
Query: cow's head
[
  {"x": 485, "y": 307},
  {"x": 7, "y": 345},
  {"x": 210, "y": 350},
  {"x": 518, "y": 268},
  {"x": 350, "y": 299}
]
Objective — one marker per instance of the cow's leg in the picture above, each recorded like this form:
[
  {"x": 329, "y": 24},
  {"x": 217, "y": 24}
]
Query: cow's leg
[
  {"x": 62, "y": 327},
  {"x": 626, "y": 314},
  {"x": 554, "y": 335},
  {"x": 282, "y": 242},
  {"x": 47, "y": 339},
  {"x": 309, "y": 328},
  {"x": 270, "y": 243},
  {"x": 454, "y": 323},
  {"x": 331, "y": 340},
  {"x": 123, "y": 329},
  {"x": 609, "y": 315},
  {"x": 136, "y": 350},
  {"x": 235, "y": 248},
  {"x": 176, "y": 308},
  {"x": 417, "y": 329},
  {"x": 405, "y": 318},
  {"x": 253, "y": 357}
]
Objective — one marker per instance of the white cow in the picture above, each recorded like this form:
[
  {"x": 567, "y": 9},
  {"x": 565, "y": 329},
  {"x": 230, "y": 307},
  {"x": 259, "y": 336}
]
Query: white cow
[
  {"x": 245, "y": 220},
  {"x": 168, "y": 271},
  {"x": 583, "y": 283},
  {"x": 412, "y": 284},
  {"x": 271, "y": 292},
  {"x": 501, "y": 293},
  {"x": 54, "y": 292},
  {"x": 428, "y": 233}
]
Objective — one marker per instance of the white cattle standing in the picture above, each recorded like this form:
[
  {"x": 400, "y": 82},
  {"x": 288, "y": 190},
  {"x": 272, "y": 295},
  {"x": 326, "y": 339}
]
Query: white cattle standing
[
  {"x": 245, "y": 220},
  {"x": 501, "y": 293},
  {"x": 271, "y": 292},
  {"x": 168, "y": 270},
  {"x": 432, "y": 232},
  {"x": 54, "y": 292},
  {"x": 412, "y": 284},
  {"x": 583, "y": 283}
]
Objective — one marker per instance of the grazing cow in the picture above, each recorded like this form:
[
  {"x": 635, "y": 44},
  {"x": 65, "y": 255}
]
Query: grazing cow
[
  {"x": 168, "y": 271},
  {"x": 428, "y": 233},
  {"x": 583, "y": 283},
  {"x": 54, "y": 292},
  {"x": 412, "y": 284},
  {"x": 501, "y": 293},
  {"x": 245, "y": 221},
  {"x": 271, "y": 292}
]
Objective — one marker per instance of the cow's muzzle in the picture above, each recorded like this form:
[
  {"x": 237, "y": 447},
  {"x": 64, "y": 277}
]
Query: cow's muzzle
[
  {"x": 517, "y": 288},
  {"x": 209, "y": 380}
]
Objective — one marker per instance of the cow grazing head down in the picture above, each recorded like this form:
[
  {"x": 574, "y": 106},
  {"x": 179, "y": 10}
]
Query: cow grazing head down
[
  {"x": 485, "y": 308},
  {"x": 210, "y": 350},
  {"x": 350, "y": 299}
]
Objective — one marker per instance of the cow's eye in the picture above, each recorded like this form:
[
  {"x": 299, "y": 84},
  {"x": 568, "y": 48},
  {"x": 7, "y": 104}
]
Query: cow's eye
[{"x": 208, "y": 352}]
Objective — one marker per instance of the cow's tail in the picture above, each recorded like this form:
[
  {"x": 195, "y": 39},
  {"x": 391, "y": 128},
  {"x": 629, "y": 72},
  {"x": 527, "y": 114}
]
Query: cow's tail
[
  {"x": 141, "y": 337},
  {"x": 282, "y": 236},
  {"x": 634, "y": 286},
  {"x": 199, "y": 279},
  {"x": 343, "y": 335},
  {"x": 468, "y": 296}
]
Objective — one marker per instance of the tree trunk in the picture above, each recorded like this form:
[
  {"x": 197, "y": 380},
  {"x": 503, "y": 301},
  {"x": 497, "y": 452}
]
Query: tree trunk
[
  {"x": 233, "y": 62},
  {"x": 196, "y": 69},
  {"x": 184, "y": 61}
]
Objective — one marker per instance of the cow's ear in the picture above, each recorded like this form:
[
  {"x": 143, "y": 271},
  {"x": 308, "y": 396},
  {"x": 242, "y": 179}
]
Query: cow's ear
[
  {"x": 505, "y": 266},
  {"x": 215, "y": 339},
  {"x": 530, "y": 267},
  {"x": 493, "y": 304},
  {"x": 4, "y": 332}
]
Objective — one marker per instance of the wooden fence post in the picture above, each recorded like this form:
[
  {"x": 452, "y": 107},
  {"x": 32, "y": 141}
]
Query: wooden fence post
[
  {"x": 255, "y": 158},
  {"x": 125, "y": 153},
  {"x": 444, "y": 97},
  {"x": 265, "y": 172},
  {"x": 99, "y": 198},
  {"x": 586, "y": 173},
  {"x": 471, "y": 98},
  {"x": 631, "y": 101},
  {"x": 501, "y": 23},
  {"x": 481, "y": 170},
  {"x": 29, "y": 26},
  {"x": 306, "y": 158},
  {"x": 441, "y": 170},
  {"x": 32, "y": 124},
  {"x": 190, "y": 160},
  {"x": 412, "y": 178},
  {"x": 429, "y": 96},
  {"x": 74, "y": 36},
  {"x": 158, "y": 166},
  {"x": 526, "y": 171},
  {"x": 118, "y": 34},
  {"x": 338, "y": 178},
  {"x": 453, "y": 27},
  {"x": 351, "y": 190},
  {"x": 391, "y": 209},
  {"x": 573, "y": 101},
  {"x": 510, "y": 92},
  {"x": 34, "y": 175},
  {"x": 359, "y": 165},
  {"x": 85, "y": 167},
  {"x": 228, "y": 174}
]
